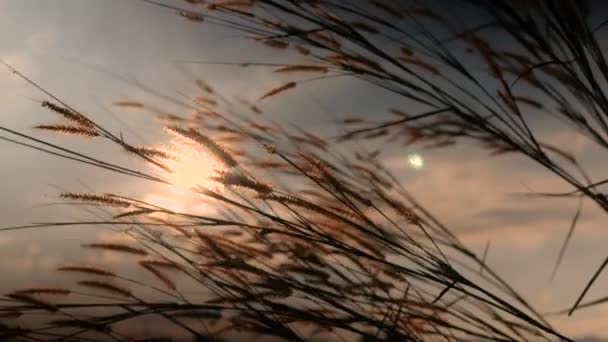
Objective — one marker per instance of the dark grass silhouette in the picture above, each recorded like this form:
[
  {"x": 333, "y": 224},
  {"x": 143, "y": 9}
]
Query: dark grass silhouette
[{"x": 304, "y": 241}]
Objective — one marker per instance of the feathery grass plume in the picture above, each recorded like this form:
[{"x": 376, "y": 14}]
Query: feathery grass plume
[
  {"x": 44, "y": 291},
  {"x": 128, "y": 104},
  {"x": 302, "y": 68},
  {"x": 233, "y": 6},
  {"x": 198, "y": 314},
  {"x": 256, "y": 109},
  {"x": 420, "y": 63},
  {"x": 207, "y": 143},
  {"x": 236, "y": 152},
  {"x": 267, "y": 23},
  {"x": 278, "y": 294},
  {"x": 154, "y": 152},
  {"x": 363, "y": 242},
  {"x": 324, "y": 38},
  {"x": 279, "y": 287},
  {"x": 293, "y": 200},
  {"x": 400, "y": 208},
  {"x": 171, "y": 118},
  {"x": 191, "y": 16},
  {"x": 264, "y": 128},
  {"x": 154, "y": 339},
  {"x": 162, "y": 264},
  {"x": 235, "y": 3},
  {"x": 358, "y": 63},
  {"x": 236, "y": 179},
  {"x": 278, "y": 90},
  {"x": 181, "y": 230},
  {"x": 307, "y": 271},
  {"x": 275, "y": 43},
  {"x": 204, "y": 86},
  {"x": 325, "y": 171},
  {"x": 231, "y": 139},
  {"x": 302, "y": 50},
  {"x": 353, "y": 120},
  {"x": 8, "y": 314},
  {"x": 321, "y": 168},
  {"x": 406, "y": 51},
  {"x": 363, "y": 26},
  {"x": 86, "y": 269},
  {"x": 80, "y": 323},
  {"x": 137, "y": 212},
  {"x": 331, "y": 16},
  {"x": 312, "y": 140},
  {"x": 105, "y": 199},
  {"x": 70, "y": 115},
  {"x": 116, "y": 247},
  {"x": 30, "y": 299},
  {"x": 211, "y": 244},
  {"x": 269, "y": 164},
  {"x": 107, "y": 286},
  {"x": 239, "y": 249},
  {"x": 158, "y": 274},
  {"x": 70, "y": 130},
  {"x": 206, "y": 101}
]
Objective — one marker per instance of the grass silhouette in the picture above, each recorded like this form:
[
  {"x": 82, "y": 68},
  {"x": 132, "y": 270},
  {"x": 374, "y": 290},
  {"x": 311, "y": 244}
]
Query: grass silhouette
[{"x": 304, "y": 241}]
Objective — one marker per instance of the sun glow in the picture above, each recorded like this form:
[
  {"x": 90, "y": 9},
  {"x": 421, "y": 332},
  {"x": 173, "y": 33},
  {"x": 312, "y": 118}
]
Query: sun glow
[{"x": 190, "y": 166}]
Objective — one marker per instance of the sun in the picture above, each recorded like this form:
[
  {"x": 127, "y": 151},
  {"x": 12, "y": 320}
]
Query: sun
[
  {"x": 188, "y": 167},
  {"x": 191, "y": 167},
  {"x": 415, "y": 160}
]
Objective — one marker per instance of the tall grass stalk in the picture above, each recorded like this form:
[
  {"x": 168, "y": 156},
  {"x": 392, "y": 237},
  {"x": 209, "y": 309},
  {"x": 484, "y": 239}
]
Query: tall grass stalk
[{"x": 303, "y": 241}]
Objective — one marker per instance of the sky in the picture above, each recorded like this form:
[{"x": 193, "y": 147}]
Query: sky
[{"x": 56, "y": 43}]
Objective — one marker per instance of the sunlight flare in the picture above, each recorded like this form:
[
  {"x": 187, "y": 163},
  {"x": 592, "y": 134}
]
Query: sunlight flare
[
  {"x": 415, "y": 161},
  {"x": 190, "y": 166}
]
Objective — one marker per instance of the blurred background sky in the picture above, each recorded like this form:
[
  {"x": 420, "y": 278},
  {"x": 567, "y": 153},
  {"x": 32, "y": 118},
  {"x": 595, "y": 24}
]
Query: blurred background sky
[{"x": 61, "y": 43}]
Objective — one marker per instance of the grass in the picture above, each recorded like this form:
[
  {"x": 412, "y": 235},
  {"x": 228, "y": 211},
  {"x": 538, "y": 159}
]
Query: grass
[{"x": 304, "y": 241}]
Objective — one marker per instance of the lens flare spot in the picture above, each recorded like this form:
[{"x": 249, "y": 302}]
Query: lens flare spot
[{"x": 415, "y": 161}]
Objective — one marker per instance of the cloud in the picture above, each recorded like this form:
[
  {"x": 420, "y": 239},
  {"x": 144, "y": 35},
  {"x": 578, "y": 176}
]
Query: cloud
[
  {"x": 26, "y": 260},
  {"x": 482, "y": 198},
  {"x": 42, "y": 39}
]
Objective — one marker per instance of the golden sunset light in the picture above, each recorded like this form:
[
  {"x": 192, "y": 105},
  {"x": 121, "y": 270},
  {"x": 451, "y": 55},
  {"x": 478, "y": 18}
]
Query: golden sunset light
[{"x": 190, "y": 166}]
